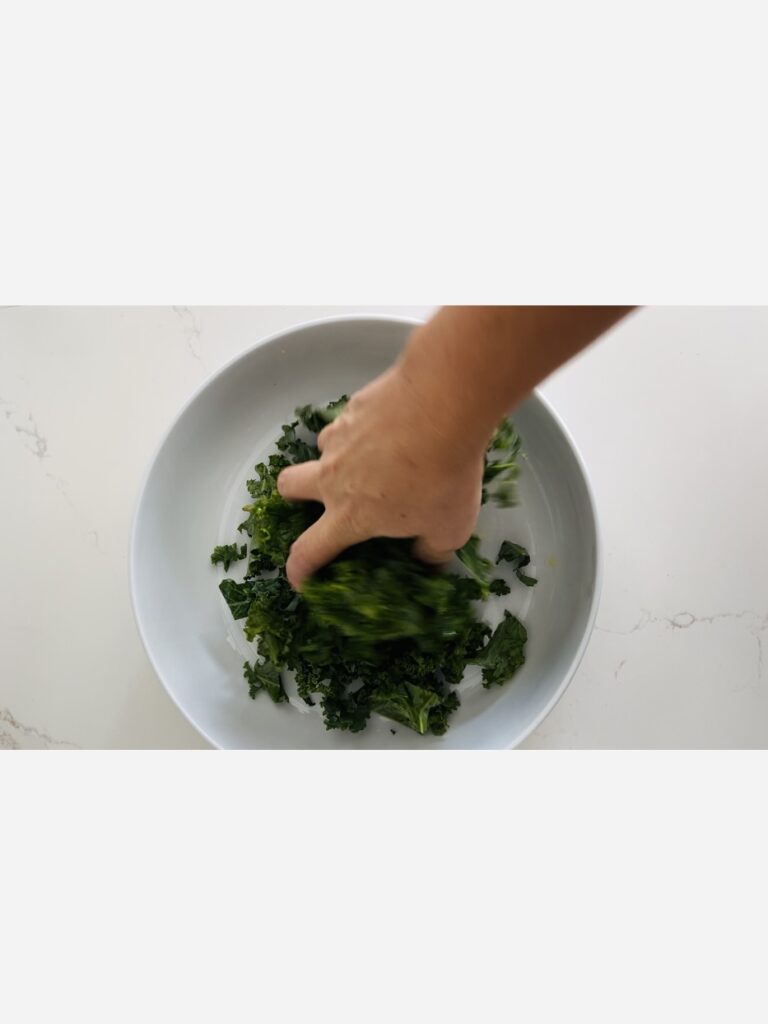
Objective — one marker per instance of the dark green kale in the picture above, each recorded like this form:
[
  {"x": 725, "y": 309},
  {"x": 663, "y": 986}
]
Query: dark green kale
[
  {"x": 346, "y": 710},
  {"x": 501, "y": 466},
  {"x": 237, "y": 596},
  {"x": 439, "y": 715},
  {"x": 273, "y": 524},
  {"x": 293, "y": 447},
  {"x": 259, "y": 562},
  {"x": 264, "y": 676},
  {"x": 226, "y": 554},
  {"x": 376, "y": 631},
  {"x": 265, "y": 481},
  {"x": 406, "y": 703},
  {"x": 271, "y": 617},
  {"x": 499, "y": 588},
  {"x": 377, "y": 591},
  {"x": 518, "y": 558},
  {"x": 480, "y": 567},
  {"x": 315, "y": 417},
  {"x": 505, "y": 652}
]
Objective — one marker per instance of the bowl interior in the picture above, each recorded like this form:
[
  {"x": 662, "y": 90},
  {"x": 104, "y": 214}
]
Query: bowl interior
[{"x": 192, "y": 501}]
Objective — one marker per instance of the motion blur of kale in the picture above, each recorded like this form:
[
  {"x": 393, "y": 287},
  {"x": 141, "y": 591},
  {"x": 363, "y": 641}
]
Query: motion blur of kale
[
  {"x": 376, "y": 631},
  {"x": 501, "y": 466}
]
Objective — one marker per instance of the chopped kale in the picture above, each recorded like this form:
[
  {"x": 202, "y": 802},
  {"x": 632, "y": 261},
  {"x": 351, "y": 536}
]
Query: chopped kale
[
  {"x": 315, "y": 418},
  {"x": 226, "y": 554},
  {"x": 505, "y": 652},
  {"x": 501, "y": 466},
  {"x": 264, "y": 676},
  {"x": 376, "y": 631}
]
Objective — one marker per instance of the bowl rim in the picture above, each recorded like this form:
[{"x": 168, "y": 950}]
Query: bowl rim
[{"x": 304, "y": 325}]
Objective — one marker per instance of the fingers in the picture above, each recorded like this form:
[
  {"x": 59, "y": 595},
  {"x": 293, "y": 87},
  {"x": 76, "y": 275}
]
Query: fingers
[
  {"x": 315, "y": 547},
  {"x": 322, "y": 437},
  {"x": 430, "y": 553},
  {"x": 300, "y": 483}
]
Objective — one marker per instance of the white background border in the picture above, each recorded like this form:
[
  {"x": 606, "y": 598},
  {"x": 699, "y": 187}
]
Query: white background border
[{"x": 406, "y": 153}]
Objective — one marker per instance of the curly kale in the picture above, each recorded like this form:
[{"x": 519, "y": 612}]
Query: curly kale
[
  {"x": 314, "y": 418},
  {"x": 264, "y": 676},
  {"x": 376, "y": 631},
  {"x": 226, "y": 554}
]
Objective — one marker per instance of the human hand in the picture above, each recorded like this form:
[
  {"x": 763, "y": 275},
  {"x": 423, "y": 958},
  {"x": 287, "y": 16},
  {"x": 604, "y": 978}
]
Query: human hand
[
  {"x": 396, "y": 463},
  {"x": 405, "y": 458}
]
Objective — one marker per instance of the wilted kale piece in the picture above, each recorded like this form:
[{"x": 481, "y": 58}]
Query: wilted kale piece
[
  {"x": 504, "y": 653},
  {"x": 499, "y": 588},
  {"x": 518, "y": 558}
]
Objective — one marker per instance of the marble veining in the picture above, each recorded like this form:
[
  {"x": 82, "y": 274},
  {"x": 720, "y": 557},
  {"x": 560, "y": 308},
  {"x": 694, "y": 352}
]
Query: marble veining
[
  {"x": 27, "y": 429},
  {"x": 192, "y": 331},
  {"x": 20, "y": 736},
  {"x": 25, "y": 426},
  {"x": 755, "y": 623}
]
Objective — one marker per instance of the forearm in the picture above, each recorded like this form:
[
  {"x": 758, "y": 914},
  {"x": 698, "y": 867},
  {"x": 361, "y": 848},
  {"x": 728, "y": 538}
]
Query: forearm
[{"x": 471, "y": 364}]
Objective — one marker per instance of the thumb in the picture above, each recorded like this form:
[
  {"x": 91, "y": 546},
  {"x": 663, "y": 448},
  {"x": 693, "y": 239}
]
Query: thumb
[
  {"x": 315, "y": 547},
  {"x": 433, "y": 554}
]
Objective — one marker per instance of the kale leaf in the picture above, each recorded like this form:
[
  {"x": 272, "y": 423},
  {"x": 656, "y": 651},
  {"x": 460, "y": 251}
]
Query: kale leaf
[
  {"x": 479, "y": 566},
  {"x": 499, "y": 588},
  {"x": 293, "y": 447},
  {"x": 518, "y": 558},
  {"x": 273, "y": 524},
  {"x": 264, "y": 676},
  {"x": 237, "y": 596},
  {"x": 315, "y": 417},
  {"x": 501, "y": 466},
  {"x": 504, "y": 653},
  {"x": 406, "y": 703},
  {"x": 226, "y": 554},
  {"x": 345, "y": 710}
]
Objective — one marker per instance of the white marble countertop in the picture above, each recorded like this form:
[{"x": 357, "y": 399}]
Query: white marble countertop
[{"x": 670, "y": 413}]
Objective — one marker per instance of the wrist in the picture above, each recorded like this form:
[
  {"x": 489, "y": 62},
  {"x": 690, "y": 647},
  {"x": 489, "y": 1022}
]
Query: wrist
[{"x": 450, "y": 372}]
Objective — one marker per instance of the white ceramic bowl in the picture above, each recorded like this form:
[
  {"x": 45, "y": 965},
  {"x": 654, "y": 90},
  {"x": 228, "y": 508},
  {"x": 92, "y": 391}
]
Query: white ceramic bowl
[{"x": 192, "y": 501}]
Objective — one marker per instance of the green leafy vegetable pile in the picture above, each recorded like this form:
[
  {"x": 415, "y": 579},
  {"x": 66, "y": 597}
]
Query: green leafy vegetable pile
[{"x": 376, "y": 630}]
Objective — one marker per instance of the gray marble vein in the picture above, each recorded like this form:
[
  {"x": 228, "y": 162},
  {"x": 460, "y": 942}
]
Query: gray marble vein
[
  {"x": 37, "y": 444},
  {"x": 27, "y": 429},
  {"x": 8, "y": 741},
  {"x": 754, "y": 622},
  {"x": 192, "y": 331},
  {"x": 28, "y": 733}
]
